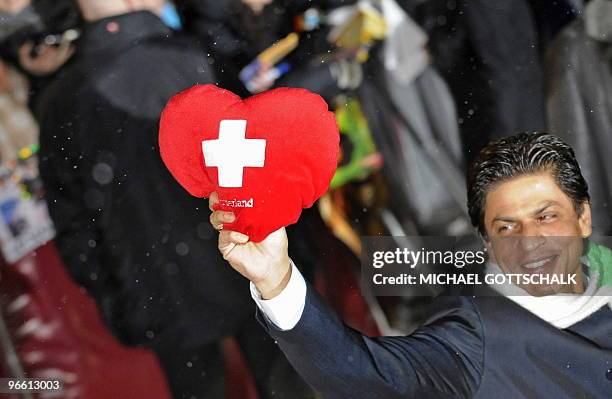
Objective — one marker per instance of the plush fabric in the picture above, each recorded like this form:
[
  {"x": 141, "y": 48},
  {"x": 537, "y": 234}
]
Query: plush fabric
[{"x": 292, "y": 145}]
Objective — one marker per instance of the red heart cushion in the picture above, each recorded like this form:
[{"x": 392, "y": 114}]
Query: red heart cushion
[{"x": 268, "y": 156}]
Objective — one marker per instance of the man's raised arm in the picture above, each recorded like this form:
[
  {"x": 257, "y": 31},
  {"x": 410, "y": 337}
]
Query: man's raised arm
[{"x": 443, "y": 359}]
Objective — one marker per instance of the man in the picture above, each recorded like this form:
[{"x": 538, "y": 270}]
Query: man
[
  {"x": 522, "y": 191},
  {"x": 126, "y": 230}
]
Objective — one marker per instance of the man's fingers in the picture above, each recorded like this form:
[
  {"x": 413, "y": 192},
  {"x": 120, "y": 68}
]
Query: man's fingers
[
  {"x": 26, "y": 47},
  {"x": 47, "y": 59},
  {"x": 227, "y": 237},
  {"x": 24, "y": 51},
  {"x": 212, "y": 201},
  {"x": 218, "y": 218},
  {"x": 64, "y": 52},
  {"x": 228, "y": 240},
  {"x": 216, "y": 224}
]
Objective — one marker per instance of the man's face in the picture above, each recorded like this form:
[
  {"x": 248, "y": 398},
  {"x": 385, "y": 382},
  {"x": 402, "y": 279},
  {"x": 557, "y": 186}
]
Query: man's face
[{"x": 533, "y": 228}]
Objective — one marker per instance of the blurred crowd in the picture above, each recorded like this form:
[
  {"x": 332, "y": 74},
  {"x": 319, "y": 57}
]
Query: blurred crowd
[{"x": 418, "y": 88}]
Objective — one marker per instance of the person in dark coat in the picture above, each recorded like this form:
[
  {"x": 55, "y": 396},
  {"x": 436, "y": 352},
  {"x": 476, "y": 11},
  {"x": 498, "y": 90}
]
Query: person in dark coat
[
  {"x": 507, "y": 341},
  {"x": 129, "y": 234},
  {"x": 580, "y": 101},
  {"x": 487, "y": 51},
  {"x": 238, "y": 30}
]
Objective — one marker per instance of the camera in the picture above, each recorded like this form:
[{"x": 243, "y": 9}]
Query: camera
[{"x": 41, "y": 22}]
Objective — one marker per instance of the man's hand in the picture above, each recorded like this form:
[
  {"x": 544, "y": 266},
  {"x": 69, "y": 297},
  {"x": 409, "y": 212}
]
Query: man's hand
[
  {"x": 265, "y": 263},
  {"x": 262, "y": 81},
  {"x": 49, "y": 59}
]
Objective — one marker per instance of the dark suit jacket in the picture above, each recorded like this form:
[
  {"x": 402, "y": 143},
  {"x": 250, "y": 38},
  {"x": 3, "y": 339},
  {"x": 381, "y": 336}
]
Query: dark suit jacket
[{"x": 470, "y": 347}]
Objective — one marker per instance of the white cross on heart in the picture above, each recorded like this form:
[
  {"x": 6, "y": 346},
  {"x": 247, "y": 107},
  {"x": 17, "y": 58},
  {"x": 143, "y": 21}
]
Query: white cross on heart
[{"x": 232, "y": 152}]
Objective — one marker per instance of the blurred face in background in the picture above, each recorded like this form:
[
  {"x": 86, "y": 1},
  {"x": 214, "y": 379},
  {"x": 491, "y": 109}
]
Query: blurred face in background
[
  {"x": 154, "y": 6},
  {"x": 533, "y": 227},
  {"x": 93, "y": 10},
  {"x": 257, "y": 5},
  {"x": 13, "y": 6}
]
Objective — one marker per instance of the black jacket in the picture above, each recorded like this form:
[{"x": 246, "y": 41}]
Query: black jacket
[
  {"x": 580, "y": 108},
  {"x": 470, "y": 347},
  {"x": 487, "y": 51},
  {"x": 140, "y": 244}
]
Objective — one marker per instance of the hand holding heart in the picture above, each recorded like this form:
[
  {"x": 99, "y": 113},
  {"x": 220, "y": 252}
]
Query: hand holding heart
[
  {"x": 265, "y": 263},
  {"x": 261, "y": 161},
  {"x": 267, "y": 157}
]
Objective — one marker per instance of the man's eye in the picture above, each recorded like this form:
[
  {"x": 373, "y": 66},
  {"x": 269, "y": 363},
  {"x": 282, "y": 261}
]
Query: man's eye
[
  {"x": 505, "y": 228},
  {"x": 547, "y": 217}
]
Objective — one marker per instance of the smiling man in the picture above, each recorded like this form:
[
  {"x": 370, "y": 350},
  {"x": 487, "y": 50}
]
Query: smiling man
[{"x": 530, "y": 203}]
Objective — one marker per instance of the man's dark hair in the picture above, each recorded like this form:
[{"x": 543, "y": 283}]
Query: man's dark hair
[{"x": 522, "y": 154}]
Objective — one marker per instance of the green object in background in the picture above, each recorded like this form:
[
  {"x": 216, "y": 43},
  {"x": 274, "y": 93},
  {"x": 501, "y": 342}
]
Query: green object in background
[
  {"x": 354, "y": 126},
  {"x": 27, "y": 152},
  {"x": 600, "y": 261}
]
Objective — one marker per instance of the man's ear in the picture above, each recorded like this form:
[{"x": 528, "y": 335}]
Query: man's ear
[{"x": 584, "y": 220}]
